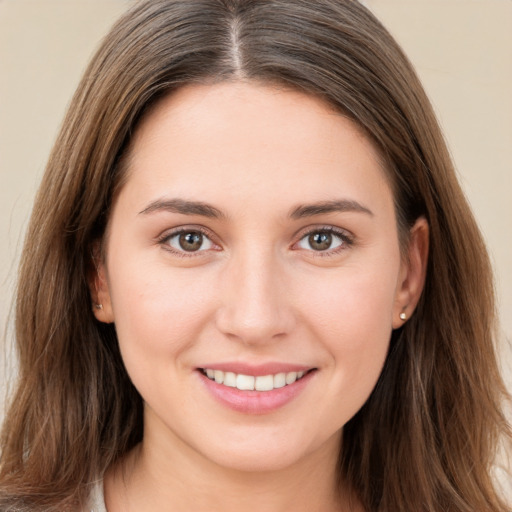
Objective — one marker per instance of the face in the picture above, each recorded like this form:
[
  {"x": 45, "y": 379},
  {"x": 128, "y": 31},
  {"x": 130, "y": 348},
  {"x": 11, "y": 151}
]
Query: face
[{"x": 253, "y": 273}]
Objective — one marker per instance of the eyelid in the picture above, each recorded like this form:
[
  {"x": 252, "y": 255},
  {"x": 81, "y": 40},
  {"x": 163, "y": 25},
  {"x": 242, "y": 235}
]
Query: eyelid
[
  {"x": 347, "y": 238},
  {"x": 163, "y": 239}
]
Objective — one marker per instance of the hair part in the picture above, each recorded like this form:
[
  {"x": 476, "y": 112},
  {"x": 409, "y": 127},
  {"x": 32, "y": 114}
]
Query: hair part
[{"x": 426, "y": 438}]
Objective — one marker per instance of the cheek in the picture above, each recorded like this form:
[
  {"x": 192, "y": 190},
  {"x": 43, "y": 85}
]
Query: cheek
[
  {"x": 352, "y": 301},
  {"x": 158, "y": 311},
  {"x": 352, "y": 318}
]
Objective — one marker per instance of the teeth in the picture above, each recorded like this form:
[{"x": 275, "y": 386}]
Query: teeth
[
  {"x": 250, "y": 383},
  {"x": 264, "y": 383},
  {"x": 280, "y": 380},
  {"x": 230, "y": 379},
  {"x": 291, "y": 377},
  {"x": 245, "y": 382}
]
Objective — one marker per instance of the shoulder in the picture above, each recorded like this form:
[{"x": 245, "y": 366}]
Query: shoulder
[{"x": 96, "y": 499}]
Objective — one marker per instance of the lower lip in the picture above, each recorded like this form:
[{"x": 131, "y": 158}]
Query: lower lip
[{"x": 255, "y": 402}]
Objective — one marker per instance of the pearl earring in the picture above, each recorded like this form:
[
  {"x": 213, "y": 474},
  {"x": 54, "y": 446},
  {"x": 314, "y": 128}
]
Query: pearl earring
[{"x": 403, "y": 316}]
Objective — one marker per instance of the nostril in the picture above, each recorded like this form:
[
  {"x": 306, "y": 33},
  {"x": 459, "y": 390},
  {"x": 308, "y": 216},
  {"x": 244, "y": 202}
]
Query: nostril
[{"x": 251, "y": 325}]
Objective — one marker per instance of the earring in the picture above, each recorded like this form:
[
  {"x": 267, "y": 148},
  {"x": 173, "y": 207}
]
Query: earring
[
  {"x": 98, "y": 306},
  {"x": 403, "y": 316}
]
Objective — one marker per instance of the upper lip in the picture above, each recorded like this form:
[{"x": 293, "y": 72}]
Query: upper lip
[{"x": 257, "y": 370}]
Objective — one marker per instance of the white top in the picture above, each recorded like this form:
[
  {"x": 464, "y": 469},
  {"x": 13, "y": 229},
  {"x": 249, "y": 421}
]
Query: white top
[{"x": 97, "y": 501}]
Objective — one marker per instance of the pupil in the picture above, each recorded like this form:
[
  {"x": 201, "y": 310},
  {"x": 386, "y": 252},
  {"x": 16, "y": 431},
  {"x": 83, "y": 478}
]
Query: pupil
[
  {"x": 320, "y": 241},
  {"x": 191, "y": 241}
]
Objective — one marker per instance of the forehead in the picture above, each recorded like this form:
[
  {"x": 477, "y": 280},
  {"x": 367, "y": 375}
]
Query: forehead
[{"x": 245, "y": 138}]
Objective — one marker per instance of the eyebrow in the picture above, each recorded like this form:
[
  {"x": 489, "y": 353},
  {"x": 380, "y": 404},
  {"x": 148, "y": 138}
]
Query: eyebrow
[
  {"x": 184, "y": 207},
  {"x": 207, "y": 210},
  {"x": 323, "y": 207}
]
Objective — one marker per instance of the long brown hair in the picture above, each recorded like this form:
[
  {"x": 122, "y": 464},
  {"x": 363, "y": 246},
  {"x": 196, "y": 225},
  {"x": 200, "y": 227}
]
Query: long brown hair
[{"x": 427, "y": 437}]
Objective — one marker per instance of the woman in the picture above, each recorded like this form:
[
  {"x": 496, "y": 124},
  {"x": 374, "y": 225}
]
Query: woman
[{"x": 252, "y": 280}]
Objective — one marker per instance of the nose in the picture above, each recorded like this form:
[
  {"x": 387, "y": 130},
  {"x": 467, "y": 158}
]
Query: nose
[{"x": 255, "y": 306}]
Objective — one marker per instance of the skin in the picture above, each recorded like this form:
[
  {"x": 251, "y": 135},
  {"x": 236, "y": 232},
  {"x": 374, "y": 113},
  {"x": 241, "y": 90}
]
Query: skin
[{"x": 257, "y": 290}]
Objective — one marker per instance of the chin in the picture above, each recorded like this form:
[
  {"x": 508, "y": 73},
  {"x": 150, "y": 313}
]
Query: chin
[
  {"x": 276, "y": 454},
  {"x": 258, "y": 462}
]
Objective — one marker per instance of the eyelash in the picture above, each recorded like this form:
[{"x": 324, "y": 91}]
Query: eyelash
[
  {"x": 166, "y": 237},
  {"x": 347, "y": 240}
]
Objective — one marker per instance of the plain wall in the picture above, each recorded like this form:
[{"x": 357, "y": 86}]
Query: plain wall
[{"x": 462, "y": 50}]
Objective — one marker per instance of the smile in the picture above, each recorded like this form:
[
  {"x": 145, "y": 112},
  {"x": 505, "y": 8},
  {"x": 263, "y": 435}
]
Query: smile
[{"x": 252, "y": 383}]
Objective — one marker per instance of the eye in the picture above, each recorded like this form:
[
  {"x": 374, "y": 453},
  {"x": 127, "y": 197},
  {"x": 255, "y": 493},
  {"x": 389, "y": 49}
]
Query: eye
[
  {"x": 323, "y": 240},
  {"x": 189, "y": 241}
]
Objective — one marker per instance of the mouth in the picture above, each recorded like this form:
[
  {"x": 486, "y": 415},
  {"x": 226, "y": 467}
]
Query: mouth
[
  {"x": 254, "y": 383},
  {"x": 256, "y": 389}
]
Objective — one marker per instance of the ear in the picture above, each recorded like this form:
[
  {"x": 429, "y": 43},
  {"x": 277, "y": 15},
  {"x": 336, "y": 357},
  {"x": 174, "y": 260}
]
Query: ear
[
  {"x": 99, "y": 289},
  {"x": 412, "y": 273}
]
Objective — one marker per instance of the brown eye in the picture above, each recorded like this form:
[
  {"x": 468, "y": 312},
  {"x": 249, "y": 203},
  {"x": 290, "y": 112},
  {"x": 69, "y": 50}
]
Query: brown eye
[
  {"x": 190, "y": 241},
  {"x": 320, "y": 241},
  {"x": 323, "y": 240}
]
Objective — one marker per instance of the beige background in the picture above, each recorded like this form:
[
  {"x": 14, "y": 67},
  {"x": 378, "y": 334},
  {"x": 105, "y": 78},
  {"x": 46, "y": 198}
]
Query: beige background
[{"x": 462, "y": 50}]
